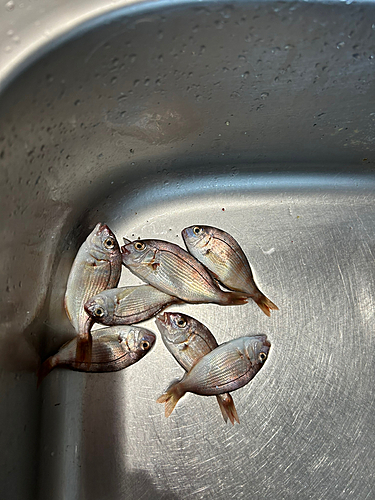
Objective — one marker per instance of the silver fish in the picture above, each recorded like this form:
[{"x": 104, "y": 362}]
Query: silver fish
[
  {"x": 226, "y": 261},
  {"x": 97, "y": 266},
  {"x": 128, "y": 305},
  {"x": 188, "y": 341},
  {"x": 227, "y": 368},
  {"x": 113, "y": 349},
  {"x": 174, "y": 271}
]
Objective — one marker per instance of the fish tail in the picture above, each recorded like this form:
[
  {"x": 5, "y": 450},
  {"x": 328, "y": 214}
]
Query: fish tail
[
  {"x": 84, "y": 344},
  {"x": 265, "y": 304},
  {"x": 228, "y": 410},
  {"x": 44, "y": 369},
  {"x": 171, "y": 397},
  {"x": 84, "y": 350},
  {"x": 234, "y": 298}
]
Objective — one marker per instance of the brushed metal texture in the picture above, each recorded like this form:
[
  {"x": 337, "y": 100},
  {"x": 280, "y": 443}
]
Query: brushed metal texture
[{"x": 254, "y": 117}]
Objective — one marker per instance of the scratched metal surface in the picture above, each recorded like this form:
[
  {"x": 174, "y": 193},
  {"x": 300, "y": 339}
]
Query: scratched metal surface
[{"x": 254, "y": 117}]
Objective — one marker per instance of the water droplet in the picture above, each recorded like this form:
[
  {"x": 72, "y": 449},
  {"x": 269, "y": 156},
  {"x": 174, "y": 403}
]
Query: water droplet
[
  {"x": 8, "y": 48},
  {"x": 10, "y": 32},
  {"x": 10, "y": 5},
  {"x": 242, "y": 58},
  {"x": 77, "y": 102},
  {"x": 135, "y": 83},
  {"x": 227, "y": 123},
  {"x": 339, "y": 45},
  {"x": 113, "y": 80},
  {"x": 373, "y": 26},
  {"x": 264, "y": 95},
  {"x": 147, "y": 82},
  {"x": 161, "y": 58},
  {"x": 133, "y": 58},
  {"x": 16, "y": 39},
  {"x": 356, "y": 56}
]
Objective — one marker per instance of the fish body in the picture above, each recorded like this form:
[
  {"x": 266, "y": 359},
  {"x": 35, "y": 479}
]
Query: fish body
[
  {"x": 227, "y": 368},
  {"x": 127, "y": 305},
  {"x": 225, "y": 259},
  {"x": 113, "y": 349},
  {"x": 174, "y": 271},
  {"x": 188, "y": 341},
  {"x": 97, "y": 266}
]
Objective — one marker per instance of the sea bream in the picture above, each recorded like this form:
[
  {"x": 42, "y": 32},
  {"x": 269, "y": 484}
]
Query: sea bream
[
  {"x": 113, "y": 349},
  {"x": 188, "y": 341},
  {"x": 174, "y": 271},
  {"x": 220, "y": 253},
  {"x": 227, "y": 368},
  {"x": 128, "y": 305},
  {"x": 97, "y": 266}
]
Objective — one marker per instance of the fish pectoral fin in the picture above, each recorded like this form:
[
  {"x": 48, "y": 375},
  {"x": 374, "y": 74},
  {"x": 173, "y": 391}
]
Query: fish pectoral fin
[{"x": 155, "y": 261}]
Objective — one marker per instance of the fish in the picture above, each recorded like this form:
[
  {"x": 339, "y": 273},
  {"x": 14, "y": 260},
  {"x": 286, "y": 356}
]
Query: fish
[
  {"x": 97, "y": 266},
  {"x": 220, "y": 253},
  {"x": 113, "y": 349},
  {"x": 128, "y": 305},
  {"x": 227, "y": 368},
  {"x": 188, "y": 341},
  {"x": 174, "y": 271}
]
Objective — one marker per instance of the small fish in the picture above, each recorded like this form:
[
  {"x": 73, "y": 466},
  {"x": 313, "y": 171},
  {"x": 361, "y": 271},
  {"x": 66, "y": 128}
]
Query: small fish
[
  {"x": 188, "y": 341},
  {"x": 113, "y": 349},
  {"x": 174, "y": 271},
  {"x": 97, "y": 266},
  {"x": 227, "y": 368},
  {"x": 226, "y": 261},
  {"x": 128, "y": 305}
]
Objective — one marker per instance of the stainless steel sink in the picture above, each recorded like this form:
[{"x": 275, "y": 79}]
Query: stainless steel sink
[{"x": 255, "y": 117}]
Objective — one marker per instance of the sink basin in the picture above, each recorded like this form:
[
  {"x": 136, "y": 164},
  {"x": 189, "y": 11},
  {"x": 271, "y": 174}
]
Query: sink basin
[{"x": 254, "y": 117}]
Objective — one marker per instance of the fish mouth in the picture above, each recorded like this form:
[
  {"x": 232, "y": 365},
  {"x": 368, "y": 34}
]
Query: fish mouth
[
  {"x": 102, "y": 227},
  {"x": 162, "y": 317},
  {"x": 124, "y": 250}
]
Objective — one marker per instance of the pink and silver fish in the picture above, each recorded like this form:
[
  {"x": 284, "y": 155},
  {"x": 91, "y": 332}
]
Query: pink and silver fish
[
  {"x": 174, "y": 271},
  {"x": 223, "y": 257},
  {"x": 128, "y": 305},
  {"x": 97, "y": 266},
  {"x": 188, "y": 341},
  {"x": 227, "y": 368},
  {"x": 113, "y": 349}
]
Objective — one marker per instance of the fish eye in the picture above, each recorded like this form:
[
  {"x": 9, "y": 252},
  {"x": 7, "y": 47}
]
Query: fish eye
[
  {"x": 197, "y": 229},
  {"x": 145, "y": 345},
  {"x": 262, "y": 356},
  {"x": 181, "y": 323},
  {"x": 99, "y": 312},
  {"x": 138, "y": 245},
  {"x": 109, "y": 243}
]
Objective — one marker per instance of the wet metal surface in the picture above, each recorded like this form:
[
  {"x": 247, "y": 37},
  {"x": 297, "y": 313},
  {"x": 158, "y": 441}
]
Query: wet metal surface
[{"x": 256, "y": 118}]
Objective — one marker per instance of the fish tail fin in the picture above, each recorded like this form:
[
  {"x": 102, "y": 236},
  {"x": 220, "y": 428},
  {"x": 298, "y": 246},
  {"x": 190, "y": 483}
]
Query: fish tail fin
[
  {"x": 171, "y": 397},
  {"x": 265, "y": 304},
  {"x": 45, "y": 368},
  {"x": 228, "y": 410},
  {"x": 84, "y": 350},
  {"x": 235, "y": 298},
  {"x": 84, "y": 344}
]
